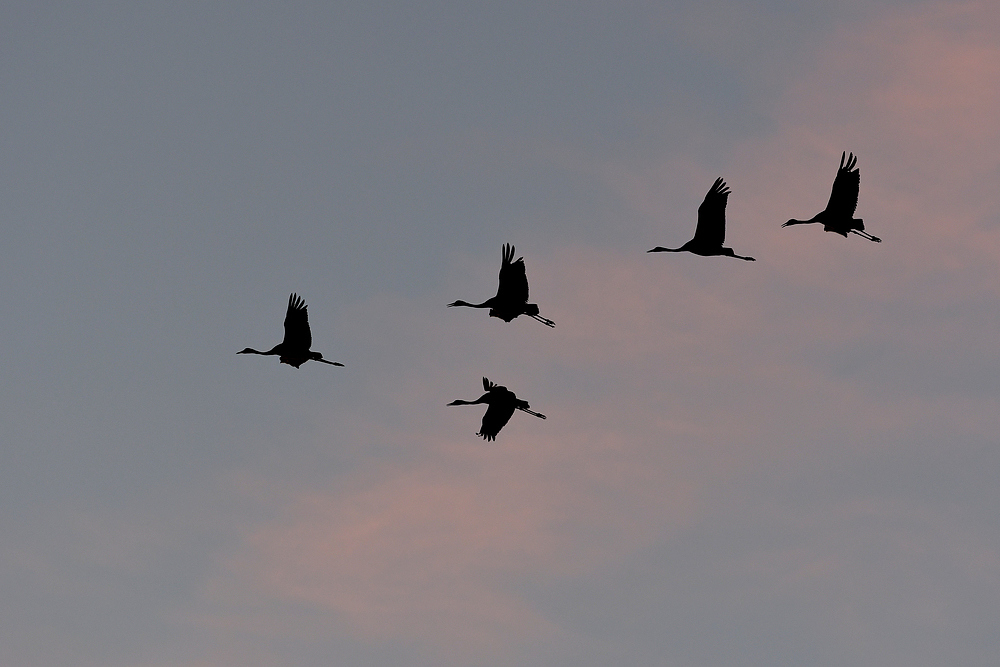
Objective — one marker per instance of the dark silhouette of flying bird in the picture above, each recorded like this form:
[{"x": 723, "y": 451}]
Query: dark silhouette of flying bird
[
  {"x": 710, "y": 233},
  {"x": 502, "y": 402},
  {"x": 512, "y": 293},
  {"x": 294, "y": 349},
  {"x": 838, "y": 216}
]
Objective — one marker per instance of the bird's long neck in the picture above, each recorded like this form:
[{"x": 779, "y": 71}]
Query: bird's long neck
[
  {"x": 816, "y": 218},
  {"x": 484, "y": 304},
  {"x": 482, "y": 399},
  {"x": 662, "y": 249},
  {"x": 250, "y": 350}
]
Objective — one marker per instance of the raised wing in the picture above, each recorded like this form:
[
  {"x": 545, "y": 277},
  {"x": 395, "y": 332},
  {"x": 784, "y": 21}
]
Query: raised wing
[
  {"x": 844, "y": 197},
  {"x": 513, "y": 286},
  {"x": 711, "y": 231},
  {"x": 297, "y": 334}
]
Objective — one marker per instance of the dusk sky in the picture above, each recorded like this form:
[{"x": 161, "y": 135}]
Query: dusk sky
[{"x": 786, "y": 463}]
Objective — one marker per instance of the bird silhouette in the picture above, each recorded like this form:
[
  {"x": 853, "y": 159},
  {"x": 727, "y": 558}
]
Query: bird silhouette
[
  {"x": 838, "y": 216},
  {"x": 502, "y": 402},
  {"x": 710, "y": 233},
  {"x": 512, "y": 293},
  {"x": 294, "y": 349}
]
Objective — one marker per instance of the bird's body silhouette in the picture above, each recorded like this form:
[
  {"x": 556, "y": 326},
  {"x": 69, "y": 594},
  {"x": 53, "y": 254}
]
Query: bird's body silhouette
[
  {"x": 294, "y": 349},
  {"x": 511, "y": 299},
  {"x": 710, "y": 233},
  {"x": 838, "y": 216},
  {"x": 502, "y": 403}
]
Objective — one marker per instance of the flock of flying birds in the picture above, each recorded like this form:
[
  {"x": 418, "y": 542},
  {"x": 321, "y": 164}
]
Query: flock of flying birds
[{"x": 511, "y": 299}]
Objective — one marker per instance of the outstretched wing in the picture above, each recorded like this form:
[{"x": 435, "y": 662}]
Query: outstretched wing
[
  {"x": 711, "y": 231},
  {"x": 297, "y": 334},
  {"x": 496, "y": 417},
  {"x": 502, "y": 403},
  {"x": 513, "y": 286},
  {"x": 844, "y": 197}
]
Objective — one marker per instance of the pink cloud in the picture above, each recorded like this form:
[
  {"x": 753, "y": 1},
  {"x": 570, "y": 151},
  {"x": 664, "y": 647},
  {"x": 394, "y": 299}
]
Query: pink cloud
[
  {"x": 437, "y": 547},
  {"x": 695, "y": 370}
]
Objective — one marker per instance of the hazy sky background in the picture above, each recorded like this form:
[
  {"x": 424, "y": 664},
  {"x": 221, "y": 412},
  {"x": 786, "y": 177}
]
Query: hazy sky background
[{"x": 792, "y": 462}]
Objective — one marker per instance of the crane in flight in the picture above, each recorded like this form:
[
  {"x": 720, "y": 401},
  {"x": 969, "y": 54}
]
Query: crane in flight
[
  {"x": 294, "y": 349},
  {"x": 502, "y": 403},
  {"x": 511, "y": 299},
  {"x": 710, "y": 233},
  {"x": 838, "y": 216}
]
